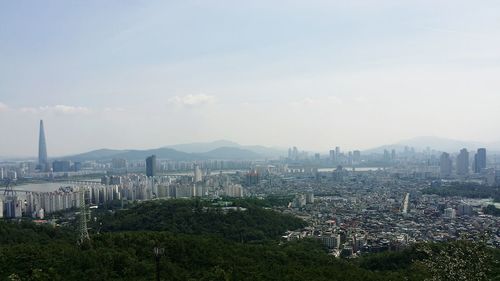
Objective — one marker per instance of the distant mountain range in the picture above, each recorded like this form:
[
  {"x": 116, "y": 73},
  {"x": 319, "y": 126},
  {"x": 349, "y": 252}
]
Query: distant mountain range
[
  {"x": 217, "y": 150},
  {"x": 203, "y": 147},
  {"x": 436, "y": 143},
  {"x": 228, "y": 150}
]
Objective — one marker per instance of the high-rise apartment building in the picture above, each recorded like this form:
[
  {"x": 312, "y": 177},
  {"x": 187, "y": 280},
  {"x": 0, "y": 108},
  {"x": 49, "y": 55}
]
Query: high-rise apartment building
[
  {"x": 198, "y": 175},
  {"x": 119, "y": 163}
]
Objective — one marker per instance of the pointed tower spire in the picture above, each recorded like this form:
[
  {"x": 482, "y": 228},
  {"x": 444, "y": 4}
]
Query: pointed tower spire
[{"x": 42, "y": 148}]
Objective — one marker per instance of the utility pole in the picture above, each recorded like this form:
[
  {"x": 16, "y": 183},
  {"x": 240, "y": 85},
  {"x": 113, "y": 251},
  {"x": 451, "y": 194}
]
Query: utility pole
[{"x": 158, "y": 252}]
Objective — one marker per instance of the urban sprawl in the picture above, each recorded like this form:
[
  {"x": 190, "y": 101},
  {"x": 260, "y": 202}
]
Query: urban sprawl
[{"x": 354, "y": 203}]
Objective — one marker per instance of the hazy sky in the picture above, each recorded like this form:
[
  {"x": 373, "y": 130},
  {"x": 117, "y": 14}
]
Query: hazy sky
[{"x": 315, "y": 74}]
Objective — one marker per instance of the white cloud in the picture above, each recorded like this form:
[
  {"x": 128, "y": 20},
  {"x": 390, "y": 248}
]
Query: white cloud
[
  {"x": 57, "y": 109},
  {"x": 113, "y": 109},
  {"x": 67, "y": 109},
  {"x": 192, "y": 100},
  {"x": 3, "y": 107}
]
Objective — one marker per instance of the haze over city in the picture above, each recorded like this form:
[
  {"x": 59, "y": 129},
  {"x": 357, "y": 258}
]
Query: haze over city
[
  {"x": 358, "y": 74},
  {"x": 250, "y": 140}
]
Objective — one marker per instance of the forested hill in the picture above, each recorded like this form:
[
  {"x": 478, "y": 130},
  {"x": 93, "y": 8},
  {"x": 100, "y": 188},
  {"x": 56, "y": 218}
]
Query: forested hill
[
  {"x": 204, "y": 242},
  {"x": 251, "y": 223}
]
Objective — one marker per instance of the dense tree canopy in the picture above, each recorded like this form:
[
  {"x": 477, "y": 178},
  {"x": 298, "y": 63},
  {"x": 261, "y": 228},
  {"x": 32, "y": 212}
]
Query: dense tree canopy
[
  {"x": 491, "y": 210},
  {"x": 252, "y": 223},
  {"x": 200, "y": 242}
]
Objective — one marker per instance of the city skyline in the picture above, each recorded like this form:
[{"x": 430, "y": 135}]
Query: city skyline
[
  {"x": 358, "y": 74},
  {"x": 250, "y": 140},
  {"x": 422, "y": 143}
]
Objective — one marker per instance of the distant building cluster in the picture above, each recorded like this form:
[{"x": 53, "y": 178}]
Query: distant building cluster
[
  {"x": 335, "y": 157},
  {"x": 375, "y": 211},
  {"x": 461, "y": 168},
  {"x": 139, "y": 187},
  {"x": 301, "y": 200},
  {"x": 354, "y": 202},
  {"x": 38, "y": 204}
]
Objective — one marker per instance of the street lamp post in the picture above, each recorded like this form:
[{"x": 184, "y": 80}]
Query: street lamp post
[{"x": 158, "y": 252}]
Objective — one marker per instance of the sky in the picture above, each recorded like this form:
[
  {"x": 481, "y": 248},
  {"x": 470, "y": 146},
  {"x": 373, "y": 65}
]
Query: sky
[{"x": 312, "y": 74}]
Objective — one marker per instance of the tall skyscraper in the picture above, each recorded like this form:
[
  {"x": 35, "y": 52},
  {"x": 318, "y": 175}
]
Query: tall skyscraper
[
  {"x": 387, "y": 156},
  {"x": 151, "y": 166},
  {"x": 332, "y": 156},
  {"x": 295, "y": 153},
  {"x": 317, "y": 157},
  {"x": 445, "y": 165},
  {"x": 42, "y": 149},
  {"x": 480, "y": 160},
  {"x": 356, "y": 156},
  {"x": 463, "y": 162}
]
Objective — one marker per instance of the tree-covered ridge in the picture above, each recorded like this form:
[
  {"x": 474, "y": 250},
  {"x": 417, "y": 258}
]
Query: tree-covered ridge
[
  {"x": 31, "y": 252},
  {"x": 128, "y": 256},
  {"x": 251, "y": 223}
]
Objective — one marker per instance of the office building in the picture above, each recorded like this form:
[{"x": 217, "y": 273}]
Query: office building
[
  {"x": 349, "y": 158},
  {"x": 463, "y": 163},
  {"x": 77, "y": 166},
  {"x": 151, "y": 166},
  {"x": 445, "y": 165},
  {"x": 42, "y": 149},
  {"x": 387, "y": 156},
  {"x": 480, "y": 160},
  {"x": 356, "y": 156},
  {"x": 61, "y": 166},
  {"x": 332, "y": 156}
]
